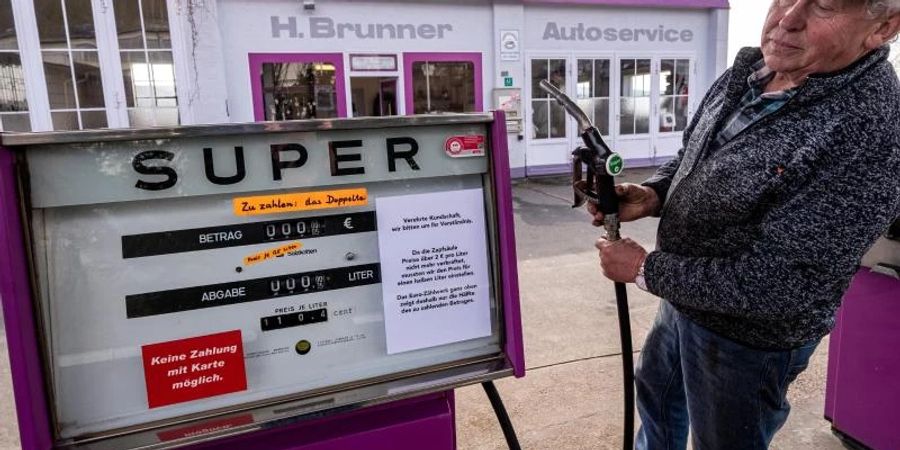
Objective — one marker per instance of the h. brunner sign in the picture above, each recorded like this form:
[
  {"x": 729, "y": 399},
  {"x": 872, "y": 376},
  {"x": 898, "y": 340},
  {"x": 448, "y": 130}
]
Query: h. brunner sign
[{"x": 327, "y": 28}]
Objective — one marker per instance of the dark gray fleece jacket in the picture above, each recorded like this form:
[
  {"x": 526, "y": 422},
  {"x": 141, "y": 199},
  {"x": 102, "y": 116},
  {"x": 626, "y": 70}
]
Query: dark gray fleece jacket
[{"x": 759, "y": 239}]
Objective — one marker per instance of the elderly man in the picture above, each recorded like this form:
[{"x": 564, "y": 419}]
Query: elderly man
[{"x": 790, "y": 170}]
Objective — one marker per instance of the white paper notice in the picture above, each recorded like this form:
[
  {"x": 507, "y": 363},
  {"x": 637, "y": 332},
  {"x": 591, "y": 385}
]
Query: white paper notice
[{"x": 434, "y": 268}]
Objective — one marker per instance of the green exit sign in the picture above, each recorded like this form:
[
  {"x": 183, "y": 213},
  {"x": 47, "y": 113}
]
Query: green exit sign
[{"x": 507, "y": 82}]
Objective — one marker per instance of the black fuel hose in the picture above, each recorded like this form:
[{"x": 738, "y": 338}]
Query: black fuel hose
[
  {"x": 505, "y": 424},
  {"x": 627, "y": 374},
  {"x": 627, "y": 365}
]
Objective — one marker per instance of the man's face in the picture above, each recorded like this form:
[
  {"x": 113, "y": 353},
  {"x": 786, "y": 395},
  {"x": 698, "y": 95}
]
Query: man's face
[{"x": 815, "y": 36}]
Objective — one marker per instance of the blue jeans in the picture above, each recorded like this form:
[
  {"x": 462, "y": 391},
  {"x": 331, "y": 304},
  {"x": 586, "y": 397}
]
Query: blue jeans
[{"x": 730, "y": 396}]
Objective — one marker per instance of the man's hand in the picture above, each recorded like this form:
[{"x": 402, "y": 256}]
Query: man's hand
[
  {"x": 620, "y": 260},
  {"x": 635, "y": 202}
]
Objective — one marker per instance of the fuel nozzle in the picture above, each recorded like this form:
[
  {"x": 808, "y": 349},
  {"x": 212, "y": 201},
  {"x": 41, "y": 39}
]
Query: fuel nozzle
[{"x": 598, "y": 187}]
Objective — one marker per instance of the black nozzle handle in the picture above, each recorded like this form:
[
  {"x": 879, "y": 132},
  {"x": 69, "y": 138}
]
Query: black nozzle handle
[
  {"x": 607, "y": 200},
  {"x": 606, "y": 165}
]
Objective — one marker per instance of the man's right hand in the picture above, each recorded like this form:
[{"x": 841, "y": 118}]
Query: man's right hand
[{"x": 635, "y": 202}]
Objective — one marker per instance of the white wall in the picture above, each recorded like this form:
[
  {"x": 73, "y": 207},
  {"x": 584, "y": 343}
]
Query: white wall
[
  {"x": 745, "y": 25},
  {"x": 200, "y": 70},
  {"x": 700, "y": 25},
  {"x": 212, "y": 40},
  {"x": 511, "y": 17}
]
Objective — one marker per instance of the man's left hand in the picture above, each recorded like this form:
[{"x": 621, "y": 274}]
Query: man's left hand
[{"x": 620, "y": 260}]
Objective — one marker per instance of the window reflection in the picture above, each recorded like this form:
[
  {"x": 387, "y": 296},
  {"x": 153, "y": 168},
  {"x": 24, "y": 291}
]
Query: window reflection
[
  {"x": 443, "y": 86},
  {"x": 80, "y": 21},
  {"x": 93, "y": 119},
  {"x": 58, "y": 73},
  {"x": 55, "y": 16},
  {"x": 539, "y": 70},
  {"x": 557, "y": 120},
  {"x": 634, "y": 103},
  {"x": 128, "y": 24},
  {"x": 86, "y": 68},
  {"x": 13, "y": 103},
  {"x": 64, "y": 120},
  {"x": 299, "y": 91},
  {"x": 12, "y": 84},
  {"x": 548, "y": 118},
  {"x": 7, "y": 27},
  {"x": 15, "y": 122},
  {"x": 163, "y": 72},
  {"x": 149, "y": 85},
  {"x": 585, "y": 86},
  {"x": 147, "y": 67},
  {"x": 50, "y": 24},
  {"x": 73, "y": 86},
  {"x": 593, "y": 91},
  {"x": 71, "y": 64},
  {"x": 156, "y": 24},
  {"x": 674, "y": 78}
]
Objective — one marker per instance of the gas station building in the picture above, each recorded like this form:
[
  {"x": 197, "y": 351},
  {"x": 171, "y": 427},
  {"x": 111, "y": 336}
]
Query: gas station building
[
  {"x": 203, "y": 268},
  {"x": 639, "y": 67}
]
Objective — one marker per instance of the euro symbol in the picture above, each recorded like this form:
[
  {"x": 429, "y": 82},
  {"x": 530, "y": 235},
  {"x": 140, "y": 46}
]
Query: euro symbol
[{"x": 347, "y": 223}]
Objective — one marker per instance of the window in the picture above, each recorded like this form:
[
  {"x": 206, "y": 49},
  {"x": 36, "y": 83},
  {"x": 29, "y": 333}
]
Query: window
[
  {"x": 299, "y": 90},
  {"x": 13, "y": 105},
  {"x": 146, "y": 52},
  {"x": 548, "y": 118},
  {"x": 592, "y": 91},
  {"x": 373, "y": 96},
  {"x": 443, "y": 86},
  {"x": 77, "y": 57},
  {"x": 674, "y": 79},
  {"x": 71, "y": 64},
  {"x": 634, "y": 102}
]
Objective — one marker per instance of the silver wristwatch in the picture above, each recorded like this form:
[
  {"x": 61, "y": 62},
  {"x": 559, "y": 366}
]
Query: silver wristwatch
[{"x": 639, "y": 280}]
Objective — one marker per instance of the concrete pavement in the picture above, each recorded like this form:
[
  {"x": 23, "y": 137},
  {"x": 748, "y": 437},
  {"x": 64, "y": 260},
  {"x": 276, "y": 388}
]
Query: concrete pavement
[{"x": 571, "y": 397}]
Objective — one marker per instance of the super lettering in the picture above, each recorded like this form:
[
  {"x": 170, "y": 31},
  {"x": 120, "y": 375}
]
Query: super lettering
[{"x": 345, "y": 157}]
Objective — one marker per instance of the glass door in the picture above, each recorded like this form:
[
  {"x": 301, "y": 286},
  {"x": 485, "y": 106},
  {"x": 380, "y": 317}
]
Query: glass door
[
  {"x": 653, "y": 107},
  {"x": 640, "y": 103},
  {"x": 592, "y": 93},
  {"x": 633, "y": 108},
  {"x": 552, "y": 134},
  {"x": 675, "y": 106},
  {"x": 547, "y": 136}
]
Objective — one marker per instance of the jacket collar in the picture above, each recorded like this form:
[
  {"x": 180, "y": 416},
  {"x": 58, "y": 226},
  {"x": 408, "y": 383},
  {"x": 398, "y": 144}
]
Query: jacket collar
[{"x": 817, "y": 85}]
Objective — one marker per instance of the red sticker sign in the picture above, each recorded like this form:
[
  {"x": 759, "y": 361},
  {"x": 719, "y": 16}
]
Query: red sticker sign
[
  {"x": 194, "y": 368},
  {"x": 462, "y": 146}
]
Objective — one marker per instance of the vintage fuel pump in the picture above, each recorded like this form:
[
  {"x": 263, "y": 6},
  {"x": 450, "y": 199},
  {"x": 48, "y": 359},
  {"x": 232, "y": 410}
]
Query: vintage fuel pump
[
  {"x": 320, "y": 284},
  {"x": 598, "y": 187},
  {"x": 861, "y": 391}
]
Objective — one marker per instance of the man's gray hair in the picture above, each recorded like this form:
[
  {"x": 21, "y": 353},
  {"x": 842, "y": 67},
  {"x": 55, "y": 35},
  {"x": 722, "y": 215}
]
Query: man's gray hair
[{"x": 878, "y": 8}]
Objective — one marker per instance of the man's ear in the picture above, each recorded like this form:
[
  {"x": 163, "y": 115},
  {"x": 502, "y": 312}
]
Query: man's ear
[{"x": 887, "y": 30}]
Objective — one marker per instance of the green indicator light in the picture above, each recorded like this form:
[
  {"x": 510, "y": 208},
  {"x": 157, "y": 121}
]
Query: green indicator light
[{"x": 614, "y": 164}]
